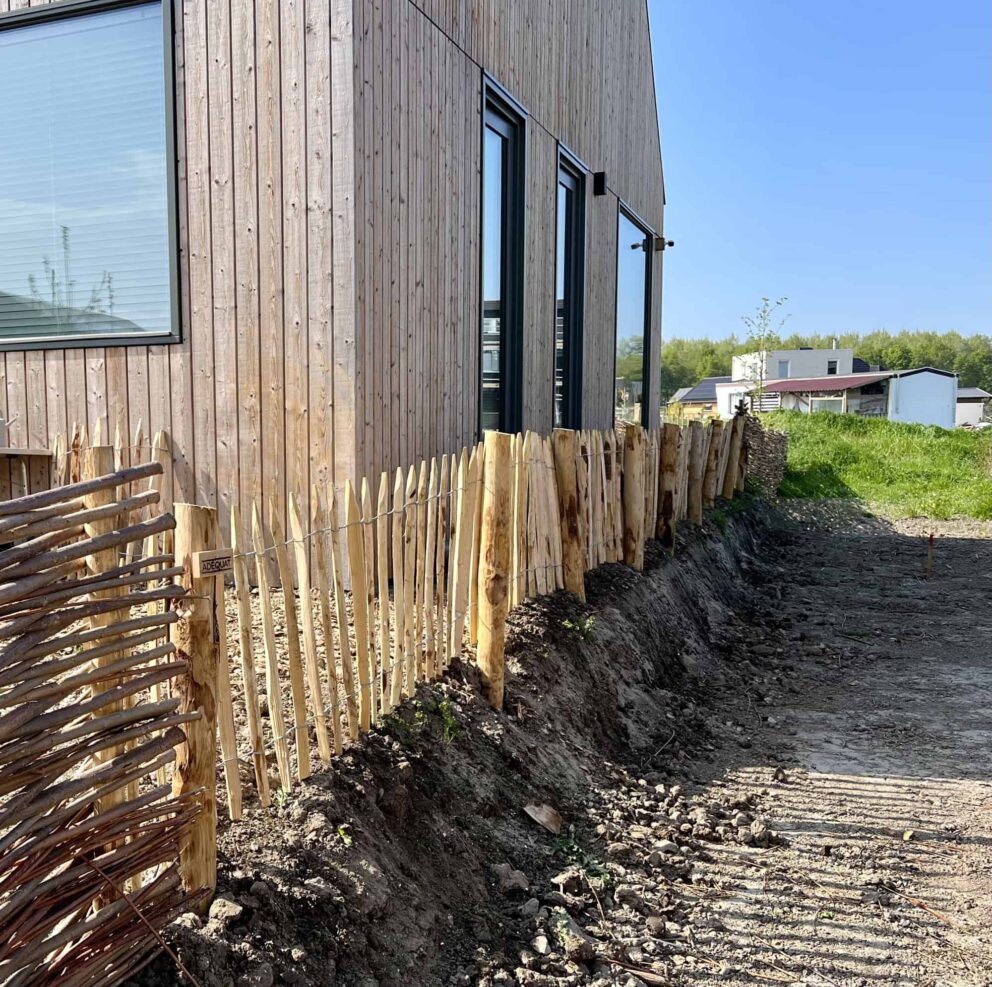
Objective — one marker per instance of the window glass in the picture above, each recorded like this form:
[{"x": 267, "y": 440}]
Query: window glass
[
  {"x": 831, "y": 367},
  {"x": 493, "y": 170},
  {"x": 502, "y": 273},
  {"x": 783, "y": 368},
  {"x": 84, "y": 177},
  {"x": 568, "y": 300},
  {"x": 633, "y": 272}
]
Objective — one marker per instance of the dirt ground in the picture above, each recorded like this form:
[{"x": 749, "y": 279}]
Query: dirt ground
[{"x": 770, "y": 759}]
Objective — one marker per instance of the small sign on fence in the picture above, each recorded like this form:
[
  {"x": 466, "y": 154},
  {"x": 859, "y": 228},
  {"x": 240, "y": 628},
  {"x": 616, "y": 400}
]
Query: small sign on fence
[{"x": 213, "y": 562}]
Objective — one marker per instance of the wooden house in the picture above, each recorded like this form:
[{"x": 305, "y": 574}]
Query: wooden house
[{"x": 313, "y": 239}]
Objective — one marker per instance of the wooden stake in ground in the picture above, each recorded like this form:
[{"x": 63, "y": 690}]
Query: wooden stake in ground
[
  {"x": 733, "y": 457},
  {"x": 294, "y": 653},
  {"x": 667, "y": 493},
  {"x": 248, "y": 659},
  {"x": 382, "y": 571},
  {"x": 565, "y": 444},
  {"x": 99, "y": 461},
  {"x": 323, "y": 565},
  {"x": 309, "y": 628},
  {"x": 359, "y": 604},
  {"x": 225, "y": 702},
  {"x": 399, "y": 594},
  {"x": 697, "y": 466},
  {"x": 272, "y": 690},
  {"x": 494, "y": 563},
  {"x": 633, "y": 495},
  {"x": 195, "y": 768},
  {"x": 712, "y": 460},
  {"x": 341, "y": 613}
]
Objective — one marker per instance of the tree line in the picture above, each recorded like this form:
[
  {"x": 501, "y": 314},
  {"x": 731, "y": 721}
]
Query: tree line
[{"x": 686, "y": 361}]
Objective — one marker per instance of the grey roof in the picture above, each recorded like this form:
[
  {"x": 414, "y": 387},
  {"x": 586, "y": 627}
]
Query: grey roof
[
  {"x": 702, "y": 393},
  {"x": 972, "y": 394}
]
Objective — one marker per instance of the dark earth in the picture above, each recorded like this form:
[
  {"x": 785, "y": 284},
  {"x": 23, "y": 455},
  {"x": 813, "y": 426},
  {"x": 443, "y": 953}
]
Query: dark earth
[{"x": 770, "y": 756}]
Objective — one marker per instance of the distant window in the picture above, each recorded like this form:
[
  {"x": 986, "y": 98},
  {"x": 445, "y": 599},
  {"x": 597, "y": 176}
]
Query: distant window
[
  {"x": 568, "y": 295},
  {"x": 783, "y": 368},
  {"x": 633, "y": 311},
  {"x": 87, "y": 236},
  {"x": 831, "y": 367},
  {"x": 502, "y": 263}
]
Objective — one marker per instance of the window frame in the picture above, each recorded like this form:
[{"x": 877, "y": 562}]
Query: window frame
[
  {"x": 833, "y": 372},
  {"x": 575, "y": 175},
  {"x": 623, "y": 209},
  {"x": 506, "y": 117},
  {"x": 60, "y": 10}
]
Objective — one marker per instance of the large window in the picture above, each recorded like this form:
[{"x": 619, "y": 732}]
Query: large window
[
  {"x": 86, "y": 184},
  {"x": 568, "y": 295},
  {"x": 502, "y": 262},
  {"x": 634, "y": 245}
]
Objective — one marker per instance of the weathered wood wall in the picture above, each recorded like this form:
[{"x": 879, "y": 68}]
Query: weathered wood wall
[
  {"x": 258, "y": 397},
  {"x": 329, "y": 172},
  {"x": 583, "y": 72}
]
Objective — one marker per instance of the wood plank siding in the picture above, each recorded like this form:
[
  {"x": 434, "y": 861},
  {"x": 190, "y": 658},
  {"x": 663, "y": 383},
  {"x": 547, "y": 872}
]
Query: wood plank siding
[
  {"x": 264, "y": 146},
  {"x": 583, "y": 73},
  {"x": 328, "y": 161}
]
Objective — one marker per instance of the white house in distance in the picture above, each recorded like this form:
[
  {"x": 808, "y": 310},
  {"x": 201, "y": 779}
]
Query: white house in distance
[
  {"x": 925, "y": 396},
  {"x": 971, "y": 405},
  {"x": 804, "y": 362}
]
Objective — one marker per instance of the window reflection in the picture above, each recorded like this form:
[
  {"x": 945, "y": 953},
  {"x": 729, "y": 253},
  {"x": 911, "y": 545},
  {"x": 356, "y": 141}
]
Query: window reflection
[
  {"x": 568, "y": 298},
  {"x": 493, "y": 177},
  {"x": 633, "y": 269},
  {"x": 84, "y": 226}
]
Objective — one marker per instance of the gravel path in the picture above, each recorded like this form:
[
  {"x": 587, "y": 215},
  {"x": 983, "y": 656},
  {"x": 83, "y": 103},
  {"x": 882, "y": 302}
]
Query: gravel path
[{"x": 877, "y": 718}]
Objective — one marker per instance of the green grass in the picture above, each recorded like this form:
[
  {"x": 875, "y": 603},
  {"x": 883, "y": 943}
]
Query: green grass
[{"x": 900, "y": 470}]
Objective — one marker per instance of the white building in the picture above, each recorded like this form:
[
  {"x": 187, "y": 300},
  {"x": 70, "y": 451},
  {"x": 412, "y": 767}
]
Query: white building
[
  {"x": 804, "y": 362},
  {"x": 971, "y": 405},
  {"x": 924, "y": 396}
]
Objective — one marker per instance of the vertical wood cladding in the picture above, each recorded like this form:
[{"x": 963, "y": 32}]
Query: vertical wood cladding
[
  {"x": 258, "y": 396},
  {"x": 583, "y": 72},
  {"x": 328, "y": 155}
]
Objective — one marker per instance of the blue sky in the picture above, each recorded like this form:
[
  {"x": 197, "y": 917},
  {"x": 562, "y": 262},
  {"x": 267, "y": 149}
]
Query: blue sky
[{"x": 837, "y": 153}]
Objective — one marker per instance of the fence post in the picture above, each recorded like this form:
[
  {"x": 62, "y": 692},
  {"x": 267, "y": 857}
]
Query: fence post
[
  {"x": 99, "y": 461},
  {"x": 743, "y": 457},
  {"x": 494, "y": 562},
  {"x": 734, "y": 458},
  {"x": 633, "y": 495},
  {"x": 195, "y": 639},
  {"x": 666, "y": 484},
  {"x": 564, "y": 442},
  {"x": 697, "y": 464},
  {"x": 712, "y": 463}
]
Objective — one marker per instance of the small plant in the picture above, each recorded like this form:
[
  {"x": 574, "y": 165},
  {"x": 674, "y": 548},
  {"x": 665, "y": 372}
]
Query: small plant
[
  {"x": 346, "y": 838},
  {"x": 400, "y": 730},
  {"x": 451, "y": 729},
  {"x": 719, "y": 518},
  {"x": 280, "y": 801},
  {"x": 565, "y": 848},
  {"x": 581, "y": 626}
]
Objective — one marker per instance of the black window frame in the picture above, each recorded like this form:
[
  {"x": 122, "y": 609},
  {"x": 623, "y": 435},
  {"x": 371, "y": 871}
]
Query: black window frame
[
  {"x": 62, "y": 9},
  {"x": 573, "y": 174},
  {"x": 505, "y": 116},
  {"x": 648, "y": 247}
]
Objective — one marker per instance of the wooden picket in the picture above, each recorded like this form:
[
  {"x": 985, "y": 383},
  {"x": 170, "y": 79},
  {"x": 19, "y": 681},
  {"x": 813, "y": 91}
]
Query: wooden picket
[{"x": 406, "y": 582}]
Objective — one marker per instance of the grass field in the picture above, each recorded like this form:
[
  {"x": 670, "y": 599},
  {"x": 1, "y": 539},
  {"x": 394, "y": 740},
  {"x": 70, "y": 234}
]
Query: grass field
[{"x": 900, "y": 470}]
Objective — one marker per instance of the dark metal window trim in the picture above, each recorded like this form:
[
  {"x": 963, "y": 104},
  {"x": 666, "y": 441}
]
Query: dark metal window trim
[
  {"x": 502, "y": 113},
  {"x": 574, "y": 172},
  {"x": 649, "y": 236},
  {"x": 73, "y": 8}
]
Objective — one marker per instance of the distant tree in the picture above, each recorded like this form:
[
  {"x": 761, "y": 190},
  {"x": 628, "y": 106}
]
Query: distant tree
[
  {"x": 764, "y": 333},
  {"x": 686, "y": 361}
]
